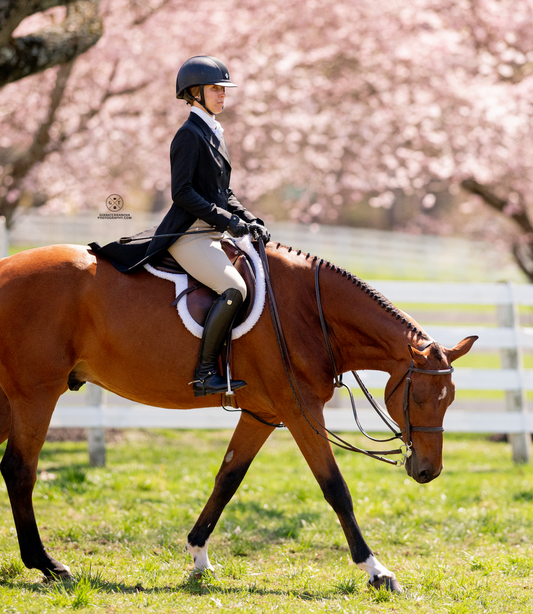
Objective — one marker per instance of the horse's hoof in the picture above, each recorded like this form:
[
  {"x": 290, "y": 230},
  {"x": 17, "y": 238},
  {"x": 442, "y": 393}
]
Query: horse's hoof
[
  {"x": 63, "y": 574},
  {"x": 198, "y": 574},
  {"x": 387, "y": 582}
]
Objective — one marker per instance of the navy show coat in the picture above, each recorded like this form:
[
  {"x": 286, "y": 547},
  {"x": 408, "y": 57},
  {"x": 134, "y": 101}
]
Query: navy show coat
[{"x": 200, "y": 183}]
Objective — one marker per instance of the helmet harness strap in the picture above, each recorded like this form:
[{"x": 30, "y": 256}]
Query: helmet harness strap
[
  {"x": 202, "y": 100},
  {"x": 192, "y": 99}
]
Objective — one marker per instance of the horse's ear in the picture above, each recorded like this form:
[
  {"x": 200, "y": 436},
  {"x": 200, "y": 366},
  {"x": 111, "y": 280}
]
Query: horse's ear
[
  {"x": 461, "y": 348},
  {"x": 419, "y": 358}
]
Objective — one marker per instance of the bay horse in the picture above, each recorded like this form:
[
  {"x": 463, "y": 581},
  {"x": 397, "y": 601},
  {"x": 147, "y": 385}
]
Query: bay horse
[{"x": 68, "y": 317}]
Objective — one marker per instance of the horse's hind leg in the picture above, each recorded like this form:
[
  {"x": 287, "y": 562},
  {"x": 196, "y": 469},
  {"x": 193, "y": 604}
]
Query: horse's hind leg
[
  {"x": 319, "y": 456},
  {"x": 247, "y": 440},
  {"x": 29, "y": 424},
  {"x": 5, "y": 416}
]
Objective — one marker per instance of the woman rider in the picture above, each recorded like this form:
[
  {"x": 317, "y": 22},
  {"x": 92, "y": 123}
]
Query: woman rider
[
  {"x": 202, "y": 200},
  {"x": 200, "y": 172}
]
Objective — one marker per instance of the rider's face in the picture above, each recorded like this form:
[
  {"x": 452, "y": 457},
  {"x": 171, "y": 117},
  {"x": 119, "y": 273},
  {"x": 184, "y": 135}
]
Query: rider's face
[{"x": 214, "y": 98}]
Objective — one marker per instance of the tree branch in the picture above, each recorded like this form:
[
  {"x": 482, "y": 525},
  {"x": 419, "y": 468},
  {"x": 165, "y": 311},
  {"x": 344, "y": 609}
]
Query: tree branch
[
  {"x": 518, "y": 214},
  {"x": 520, "y": 72},
  {"x": 142, "y": 18},
  {"x": 12, "y": 12},
  {"x": 83, "y": 123},
  {"x": 523, "y": 259},
  {"x": 58, "y": 44},
  {"x": 522, "y": 247},
  {"x": 37, "y": 151}
]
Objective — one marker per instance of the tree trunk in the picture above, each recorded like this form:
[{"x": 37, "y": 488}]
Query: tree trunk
[{"x": 19, "y": 168}]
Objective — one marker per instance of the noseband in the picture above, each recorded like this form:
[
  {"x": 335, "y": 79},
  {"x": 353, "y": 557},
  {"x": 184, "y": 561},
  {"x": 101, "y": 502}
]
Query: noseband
[{"x": 409, "y": 428}]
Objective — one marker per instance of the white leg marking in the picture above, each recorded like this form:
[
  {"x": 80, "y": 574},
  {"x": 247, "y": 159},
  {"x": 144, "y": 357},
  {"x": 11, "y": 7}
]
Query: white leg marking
[
  {"x": 229, "y": 456},
  {"x": 443, "y": 393},
  {"x": 200, "y": 558},
  {"x": 375, "y": 569}
]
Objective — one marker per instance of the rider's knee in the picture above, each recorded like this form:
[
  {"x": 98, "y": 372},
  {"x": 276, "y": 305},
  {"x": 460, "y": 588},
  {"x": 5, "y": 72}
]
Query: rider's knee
[{"x": 241, "y": 287}]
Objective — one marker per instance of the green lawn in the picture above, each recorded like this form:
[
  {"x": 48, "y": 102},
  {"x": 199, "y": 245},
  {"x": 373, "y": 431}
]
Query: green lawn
[{"x": 460, "y": 544}]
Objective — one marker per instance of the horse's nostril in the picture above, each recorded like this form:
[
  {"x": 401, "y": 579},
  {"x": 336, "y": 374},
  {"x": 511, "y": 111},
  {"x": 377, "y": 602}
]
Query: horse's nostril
[{"x": 425, "y": 476}]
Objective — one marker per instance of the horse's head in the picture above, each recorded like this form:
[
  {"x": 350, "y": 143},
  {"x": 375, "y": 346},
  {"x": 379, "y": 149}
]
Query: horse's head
[{"x": 417, "y": 397}]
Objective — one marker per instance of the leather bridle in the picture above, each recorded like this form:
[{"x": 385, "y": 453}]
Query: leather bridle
[
  {"x": 406, "y": 449},
  {"x": 409, "y": 428}
]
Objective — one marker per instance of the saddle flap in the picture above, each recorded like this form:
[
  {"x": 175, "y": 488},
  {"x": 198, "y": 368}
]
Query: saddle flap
[
  {"x": 251, "y": 269},
  {"x": 200, "y": 297},
  {"x": 242, "y": 262},
  {"x": 165, "y": 262}
]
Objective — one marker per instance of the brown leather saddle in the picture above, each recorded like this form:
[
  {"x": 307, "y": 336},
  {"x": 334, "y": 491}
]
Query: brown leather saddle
[{"x": 200, "y": 297}]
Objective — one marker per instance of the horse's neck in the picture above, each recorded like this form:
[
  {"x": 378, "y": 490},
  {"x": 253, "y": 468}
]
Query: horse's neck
[
  {"x": 366, "y": 330},
  {"x": 370, "y": 332}
]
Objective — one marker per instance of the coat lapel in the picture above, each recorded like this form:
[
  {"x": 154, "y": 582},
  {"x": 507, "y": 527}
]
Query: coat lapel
[
  {"x": 224, "y": 150},
  {"x": 210, "y": 137}
]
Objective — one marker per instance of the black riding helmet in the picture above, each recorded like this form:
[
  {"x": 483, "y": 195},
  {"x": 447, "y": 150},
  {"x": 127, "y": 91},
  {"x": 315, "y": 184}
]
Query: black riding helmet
[{"x": 201, "y": 70}]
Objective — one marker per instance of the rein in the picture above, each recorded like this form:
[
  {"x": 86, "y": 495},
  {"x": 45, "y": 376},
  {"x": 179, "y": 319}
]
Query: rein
[{"x": 406, "y": 449}]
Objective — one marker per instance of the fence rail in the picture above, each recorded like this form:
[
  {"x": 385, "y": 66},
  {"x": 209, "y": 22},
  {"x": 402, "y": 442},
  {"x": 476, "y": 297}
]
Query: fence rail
[
  {"x": 140, "y": 416},
  {"x": 364, "y": 251},
  {"x": 343, "y": 246},
  {"x": 508, "y": 338}
]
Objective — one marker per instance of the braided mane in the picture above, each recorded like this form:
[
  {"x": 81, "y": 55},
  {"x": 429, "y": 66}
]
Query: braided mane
[{"x": 382, "y": 301}]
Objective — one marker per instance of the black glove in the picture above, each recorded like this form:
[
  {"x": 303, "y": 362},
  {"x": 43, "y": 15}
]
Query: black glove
[
  {"x": 258, "y": 231},
  {"x": 237, "y": 228}
]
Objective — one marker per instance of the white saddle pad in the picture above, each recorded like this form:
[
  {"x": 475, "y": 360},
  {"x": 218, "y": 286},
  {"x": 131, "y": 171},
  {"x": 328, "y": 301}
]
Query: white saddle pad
[{"x": 180, "y": 282}]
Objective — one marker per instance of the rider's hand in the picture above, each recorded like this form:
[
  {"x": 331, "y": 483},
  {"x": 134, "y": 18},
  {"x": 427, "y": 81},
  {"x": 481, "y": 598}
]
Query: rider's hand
[
  {"x": 259, "y": 231},
  {"x": 238, "y": 228}
]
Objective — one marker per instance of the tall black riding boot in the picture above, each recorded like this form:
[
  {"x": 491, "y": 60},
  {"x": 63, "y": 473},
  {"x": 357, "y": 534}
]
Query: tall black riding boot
[{"x": 207, "y": 379}]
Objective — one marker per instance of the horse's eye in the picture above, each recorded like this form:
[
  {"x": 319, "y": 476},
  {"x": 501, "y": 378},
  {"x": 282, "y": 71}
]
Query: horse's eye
[{"x": 417, "y": 399}]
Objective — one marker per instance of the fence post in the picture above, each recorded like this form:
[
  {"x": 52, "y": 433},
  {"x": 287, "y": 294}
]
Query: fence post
[
  {"x": 96, "y": 434},
  {"x": 515, "y": 400},
  {"x": 4, "y": 238}
]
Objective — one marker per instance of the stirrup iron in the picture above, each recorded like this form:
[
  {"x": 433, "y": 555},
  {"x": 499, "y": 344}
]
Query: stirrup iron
[{"x": 229, "y": 392}]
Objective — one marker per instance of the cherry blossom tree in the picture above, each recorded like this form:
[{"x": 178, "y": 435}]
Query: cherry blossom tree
[
  {"x": 48, "y": 138},
  {"x": 339, "y": 106},
  {"x": 31, "y": 52}
]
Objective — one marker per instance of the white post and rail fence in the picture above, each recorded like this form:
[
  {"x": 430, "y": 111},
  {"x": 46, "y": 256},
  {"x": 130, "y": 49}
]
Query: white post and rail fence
[
  {"x": 504, "y": 337},
  {"x": 507, "y": 338}
]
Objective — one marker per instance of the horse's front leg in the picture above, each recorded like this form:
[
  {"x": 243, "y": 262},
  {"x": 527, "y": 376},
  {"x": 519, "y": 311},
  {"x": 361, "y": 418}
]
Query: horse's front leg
[
  {"x": 319, "y": 456},
  {"x": 247, "y": 440}
]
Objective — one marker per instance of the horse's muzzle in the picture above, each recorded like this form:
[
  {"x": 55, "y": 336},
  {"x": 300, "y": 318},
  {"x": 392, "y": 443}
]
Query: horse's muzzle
[{"x": 422, "y": 472}]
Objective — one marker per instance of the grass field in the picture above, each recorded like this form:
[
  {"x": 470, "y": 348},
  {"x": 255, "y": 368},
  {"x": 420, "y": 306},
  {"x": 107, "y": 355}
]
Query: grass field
[{"x": 460, "y": 544}]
